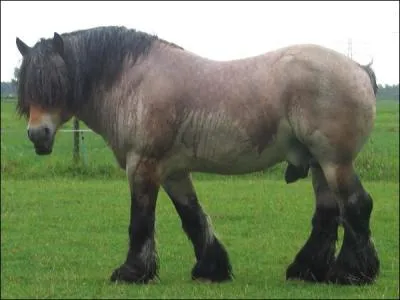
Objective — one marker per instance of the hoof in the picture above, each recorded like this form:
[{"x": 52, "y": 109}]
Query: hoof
[
  {"x": 341, "y": 275},
  {"x": 297, "y": 271},
  {"x": 211, "y": 273},
  {"x": 202, "y": 280},
  {"x": 214, "y": 265},
  {"x": 127, "y": 274},
  {"x": 355, "y": 267}
]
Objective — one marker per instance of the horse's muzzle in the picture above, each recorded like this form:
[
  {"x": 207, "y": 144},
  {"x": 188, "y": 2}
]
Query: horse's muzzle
[
  {"x": 42, "y": 139},
  {"x": 40, "y": 150}
]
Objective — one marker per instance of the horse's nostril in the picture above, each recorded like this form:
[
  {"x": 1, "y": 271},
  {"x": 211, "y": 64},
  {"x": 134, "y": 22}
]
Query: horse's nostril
[{"x": 46, "y": 131}]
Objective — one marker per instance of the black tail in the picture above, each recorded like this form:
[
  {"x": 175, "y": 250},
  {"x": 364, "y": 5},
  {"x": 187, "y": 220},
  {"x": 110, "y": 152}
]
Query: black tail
[{"x": 371, "y": 75}]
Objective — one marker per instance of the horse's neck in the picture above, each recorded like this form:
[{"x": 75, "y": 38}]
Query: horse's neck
[
  {"x": 95, "y": 117},
  {"x": 110, "y": 112},
  {"x": 106, "y": 111}
]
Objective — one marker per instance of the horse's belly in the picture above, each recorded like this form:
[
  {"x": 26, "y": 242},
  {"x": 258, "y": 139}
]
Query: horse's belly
[
  {"x": 239, "y": 164},
  {"x": 226, "y": 150}
]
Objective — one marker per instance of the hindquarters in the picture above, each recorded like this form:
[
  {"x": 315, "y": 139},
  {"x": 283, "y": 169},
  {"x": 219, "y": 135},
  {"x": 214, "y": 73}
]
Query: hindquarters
[
  {"x": 332, "y": 126},
  {"x": 331, "y": 109}
]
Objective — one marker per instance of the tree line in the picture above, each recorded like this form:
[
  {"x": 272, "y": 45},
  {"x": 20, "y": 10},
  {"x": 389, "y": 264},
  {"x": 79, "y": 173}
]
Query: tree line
[{"x": 388, "y": 92}]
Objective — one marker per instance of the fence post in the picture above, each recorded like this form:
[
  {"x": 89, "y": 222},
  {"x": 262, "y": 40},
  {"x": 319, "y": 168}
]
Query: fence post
[{"x": 76, "y": 152}]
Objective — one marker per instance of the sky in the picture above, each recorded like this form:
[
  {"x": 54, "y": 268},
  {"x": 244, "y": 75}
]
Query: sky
[{"x": 219, "y": 30}]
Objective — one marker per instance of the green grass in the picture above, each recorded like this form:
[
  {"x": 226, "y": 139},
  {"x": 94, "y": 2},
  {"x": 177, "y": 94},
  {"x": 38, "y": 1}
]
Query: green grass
[
  {"x": 64, "y": 226},
  {"x": 62, "y": 238}
]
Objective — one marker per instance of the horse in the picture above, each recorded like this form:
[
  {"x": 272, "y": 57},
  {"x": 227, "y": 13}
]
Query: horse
[{"x": 166, "y": 112}]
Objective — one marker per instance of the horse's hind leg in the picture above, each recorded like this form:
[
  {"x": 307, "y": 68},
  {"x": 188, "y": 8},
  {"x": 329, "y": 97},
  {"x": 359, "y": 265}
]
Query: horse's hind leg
[
  {"x": 315, "y": 258},
  {"x": 212, "y": 259},
  {"x": 357, "y": 262}
]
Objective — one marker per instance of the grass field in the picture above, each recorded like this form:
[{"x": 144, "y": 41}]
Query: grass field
[{"x": 64, "y": 227}]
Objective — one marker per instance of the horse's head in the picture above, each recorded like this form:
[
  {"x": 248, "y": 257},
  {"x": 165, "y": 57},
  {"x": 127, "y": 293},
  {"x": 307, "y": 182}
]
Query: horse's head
[{"x": 44, "y": 91}]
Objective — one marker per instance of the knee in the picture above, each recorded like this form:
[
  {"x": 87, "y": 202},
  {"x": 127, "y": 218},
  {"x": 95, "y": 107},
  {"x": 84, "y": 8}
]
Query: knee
[
  {"x": 358, "y": 212},
  {"x": 359, "y": 204}
]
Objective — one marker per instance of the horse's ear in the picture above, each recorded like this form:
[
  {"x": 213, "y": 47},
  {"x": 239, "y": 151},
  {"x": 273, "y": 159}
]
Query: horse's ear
[
  {"x": 22, "y": 47},
  {"x": 58, "y": 44}
]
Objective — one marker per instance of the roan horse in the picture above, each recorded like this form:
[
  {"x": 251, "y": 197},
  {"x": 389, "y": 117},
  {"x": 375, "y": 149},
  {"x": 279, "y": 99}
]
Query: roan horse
[{"x": 166, "y": 112}]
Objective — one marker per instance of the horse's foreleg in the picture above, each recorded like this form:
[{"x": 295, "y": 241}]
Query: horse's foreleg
[
  {"x": 315, "y": 258},
  {"x": 212, "y": 259},
  {"x": 357, "y": 262},
  {"x": 141, "y": 262}
]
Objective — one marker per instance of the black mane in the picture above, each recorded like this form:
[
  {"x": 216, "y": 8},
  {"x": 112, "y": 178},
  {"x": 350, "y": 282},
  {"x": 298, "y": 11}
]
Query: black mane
[{"x": 91, "y": 57}]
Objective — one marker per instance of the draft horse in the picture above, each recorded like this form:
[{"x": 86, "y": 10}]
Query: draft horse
[{"x": 166, "y": 112}]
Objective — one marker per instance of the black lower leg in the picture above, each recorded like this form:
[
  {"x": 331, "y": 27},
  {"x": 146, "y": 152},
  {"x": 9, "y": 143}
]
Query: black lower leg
[
  {"x": 212, "y": 258},
  {"x": 141, "y": 262},
  {"x": 357, "y": 262},
  {"x": 315, "y": 258}
]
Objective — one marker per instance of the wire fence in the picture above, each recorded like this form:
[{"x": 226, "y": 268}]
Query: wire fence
[
  {"x": 80, "y": 145},
  {"x": 8, "y": 130}
]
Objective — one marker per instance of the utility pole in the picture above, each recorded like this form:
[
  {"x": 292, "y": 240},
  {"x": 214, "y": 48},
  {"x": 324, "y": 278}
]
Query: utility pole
[{"x": 350, "y": 48}]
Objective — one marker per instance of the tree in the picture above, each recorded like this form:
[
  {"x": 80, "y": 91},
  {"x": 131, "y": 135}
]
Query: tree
[
  {"x": 388, "y": 92},
  {"x": 14, "y": 81},
  {"x": 7, "y": 89}
]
